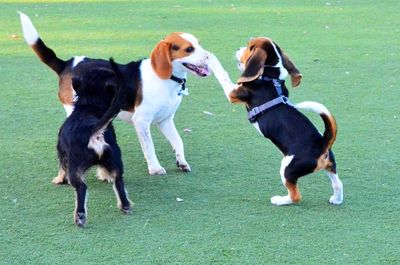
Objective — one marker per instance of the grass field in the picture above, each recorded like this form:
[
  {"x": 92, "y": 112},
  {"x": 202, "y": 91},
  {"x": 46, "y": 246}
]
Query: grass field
[{"x": 348, "y": 53}]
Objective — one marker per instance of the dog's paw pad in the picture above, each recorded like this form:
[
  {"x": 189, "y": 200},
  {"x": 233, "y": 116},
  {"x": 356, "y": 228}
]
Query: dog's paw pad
[{"x": 126, "y": 209}]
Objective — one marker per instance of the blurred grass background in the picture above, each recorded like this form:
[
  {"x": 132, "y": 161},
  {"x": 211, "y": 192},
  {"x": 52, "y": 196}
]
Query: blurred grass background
[{"x": 348, "y": 53}]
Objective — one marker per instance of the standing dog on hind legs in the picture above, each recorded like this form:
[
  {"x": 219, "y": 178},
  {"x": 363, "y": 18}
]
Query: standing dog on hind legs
[
  {"x": 161, "y": 82},
  {"x": 262, "y": 89},
  {"x": 87, "y": 137}
]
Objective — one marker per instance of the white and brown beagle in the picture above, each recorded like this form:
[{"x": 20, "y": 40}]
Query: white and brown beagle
[
  {"x": 159, "y": 85},
  {"x": 262, "y": 89}
]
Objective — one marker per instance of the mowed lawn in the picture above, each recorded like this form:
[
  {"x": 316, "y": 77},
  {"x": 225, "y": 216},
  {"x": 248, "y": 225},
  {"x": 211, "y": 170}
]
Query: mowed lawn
[{"x": 348, "y": 53}]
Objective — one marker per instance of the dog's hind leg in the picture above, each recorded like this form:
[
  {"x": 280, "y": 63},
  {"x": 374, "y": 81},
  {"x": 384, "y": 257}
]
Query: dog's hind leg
[
  {"x": 113, "y": 164},
  {"x": 76, "y": 180},
  {"x": 61, "y": 177},
  {"x": 122, "y": 197},
  {"x": 103, "y": 174},
  {"x": 294, "y": 195},
  {"x": 337, "y": 185},
  {"x": 168, "y": 129}
]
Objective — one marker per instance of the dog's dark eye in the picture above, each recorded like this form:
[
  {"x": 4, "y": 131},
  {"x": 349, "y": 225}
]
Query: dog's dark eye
[
  {"x": 189, "y": 49},
  {"x": 175, "y": 47}
]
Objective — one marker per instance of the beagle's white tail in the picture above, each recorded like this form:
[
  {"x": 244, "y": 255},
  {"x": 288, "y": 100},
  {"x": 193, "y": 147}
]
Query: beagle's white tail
[
  {"x": 45, "y": 54},
  {"x": 327, "y": 117}
]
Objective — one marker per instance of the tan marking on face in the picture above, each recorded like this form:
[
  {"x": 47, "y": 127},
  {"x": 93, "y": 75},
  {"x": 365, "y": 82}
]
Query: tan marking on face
[
  {"x": 171, "y": 48},
  {"x": 66, "y": 92},
  {"x": 294, "y": 192},
  {"x": 251, "y": 47},
  {"x": 179, "y": 47}
]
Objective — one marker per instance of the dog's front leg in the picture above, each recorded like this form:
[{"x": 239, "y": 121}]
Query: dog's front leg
[
  {"x": 146, "y": 142},
  {"x": 168, "y": 129},
  {"x": 221, "y": 75}
]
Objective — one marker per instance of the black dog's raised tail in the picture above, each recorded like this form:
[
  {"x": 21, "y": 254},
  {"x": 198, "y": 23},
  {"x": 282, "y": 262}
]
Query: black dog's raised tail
[
  {"x": 45, "y": 54},
  {"x": 115, "y": 106},
  {"x": 327, "y": 117}
]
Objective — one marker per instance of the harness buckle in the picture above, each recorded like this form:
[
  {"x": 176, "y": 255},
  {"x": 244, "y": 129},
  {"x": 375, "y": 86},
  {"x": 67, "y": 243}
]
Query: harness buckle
[{"x": 253, "y": 113}]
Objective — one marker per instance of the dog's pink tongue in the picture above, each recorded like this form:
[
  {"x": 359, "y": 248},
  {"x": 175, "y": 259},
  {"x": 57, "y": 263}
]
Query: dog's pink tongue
[{"x": 204, "y": 70}]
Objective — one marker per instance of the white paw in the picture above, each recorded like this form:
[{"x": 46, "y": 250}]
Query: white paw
[
  {"x": 157, "y": 171},
  {"x": 281, "y": 200},
  {"x": 337, "y": 200}
]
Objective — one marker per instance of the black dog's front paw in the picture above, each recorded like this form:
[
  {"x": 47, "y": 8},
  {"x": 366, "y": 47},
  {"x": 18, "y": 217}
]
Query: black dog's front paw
[
  {"x": 80, "y": 219},
  {"x": 127, "y": 209}
]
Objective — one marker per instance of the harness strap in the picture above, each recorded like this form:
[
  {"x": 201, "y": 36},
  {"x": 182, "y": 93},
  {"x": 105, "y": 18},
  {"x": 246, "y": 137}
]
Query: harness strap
[{"x": 254, "y": 112}]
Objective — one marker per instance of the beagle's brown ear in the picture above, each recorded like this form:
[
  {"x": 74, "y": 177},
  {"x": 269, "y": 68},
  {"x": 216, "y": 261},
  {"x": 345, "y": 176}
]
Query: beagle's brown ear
[
  {"x": 161, "y": 60},
  {"x": 295, "y": 74},
  {"x": 254, "y": 66},
  {"x": 240, "y": 94}
]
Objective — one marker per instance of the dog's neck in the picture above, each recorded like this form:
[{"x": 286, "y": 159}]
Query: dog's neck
[
  {"x": 178, "y": 70},
  {"x": 263, "y": 90}
]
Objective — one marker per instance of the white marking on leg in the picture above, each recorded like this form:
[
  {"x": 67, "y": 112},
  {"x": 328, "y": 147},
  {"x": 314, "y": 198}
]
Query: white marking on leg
[
  {"x": 337, "y": 185},
  {"x": 77, "y": 60},
  {"x": 119, "y": 203},
  {"x": 283, "y": 200}
]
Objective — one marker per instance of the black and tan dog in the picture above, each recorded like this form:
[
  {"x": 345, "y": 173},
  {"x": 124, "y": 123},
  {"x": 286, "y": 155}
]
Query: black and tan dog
[
  {"x": 87, "y": 137},
  {"x": 262, "y": 89}
]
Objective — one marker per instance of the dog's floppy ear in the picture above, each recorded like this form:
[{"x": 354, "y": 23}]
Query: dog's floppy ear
[
  {"x": 240, "y": 94},
  {"x": 254, "y": 66},
  {"x": 161, "y": 60},
  {"x": 295, "y": 74}
]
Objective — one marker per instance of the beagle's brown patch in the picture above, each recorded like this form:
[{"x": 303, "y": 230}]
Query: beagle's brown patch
[{"x": 65, "y": 91}]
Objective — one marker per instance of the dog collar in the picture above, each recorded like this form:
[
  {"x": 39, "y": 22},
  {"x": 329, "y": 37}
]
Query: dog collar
[
  {"x": 182, "y": 82},
  {"x": 281, "y": 99}
]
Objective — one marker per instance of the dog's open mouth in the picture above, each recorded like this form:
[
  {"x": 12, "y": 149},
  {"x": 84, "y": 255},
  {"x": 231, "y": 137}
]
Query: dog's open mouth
[{"x": 198, "y": 70}]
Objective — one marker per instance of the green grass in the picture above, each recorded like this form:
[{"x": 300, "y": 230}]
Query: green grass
[{"x": 348, "y": 52}]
